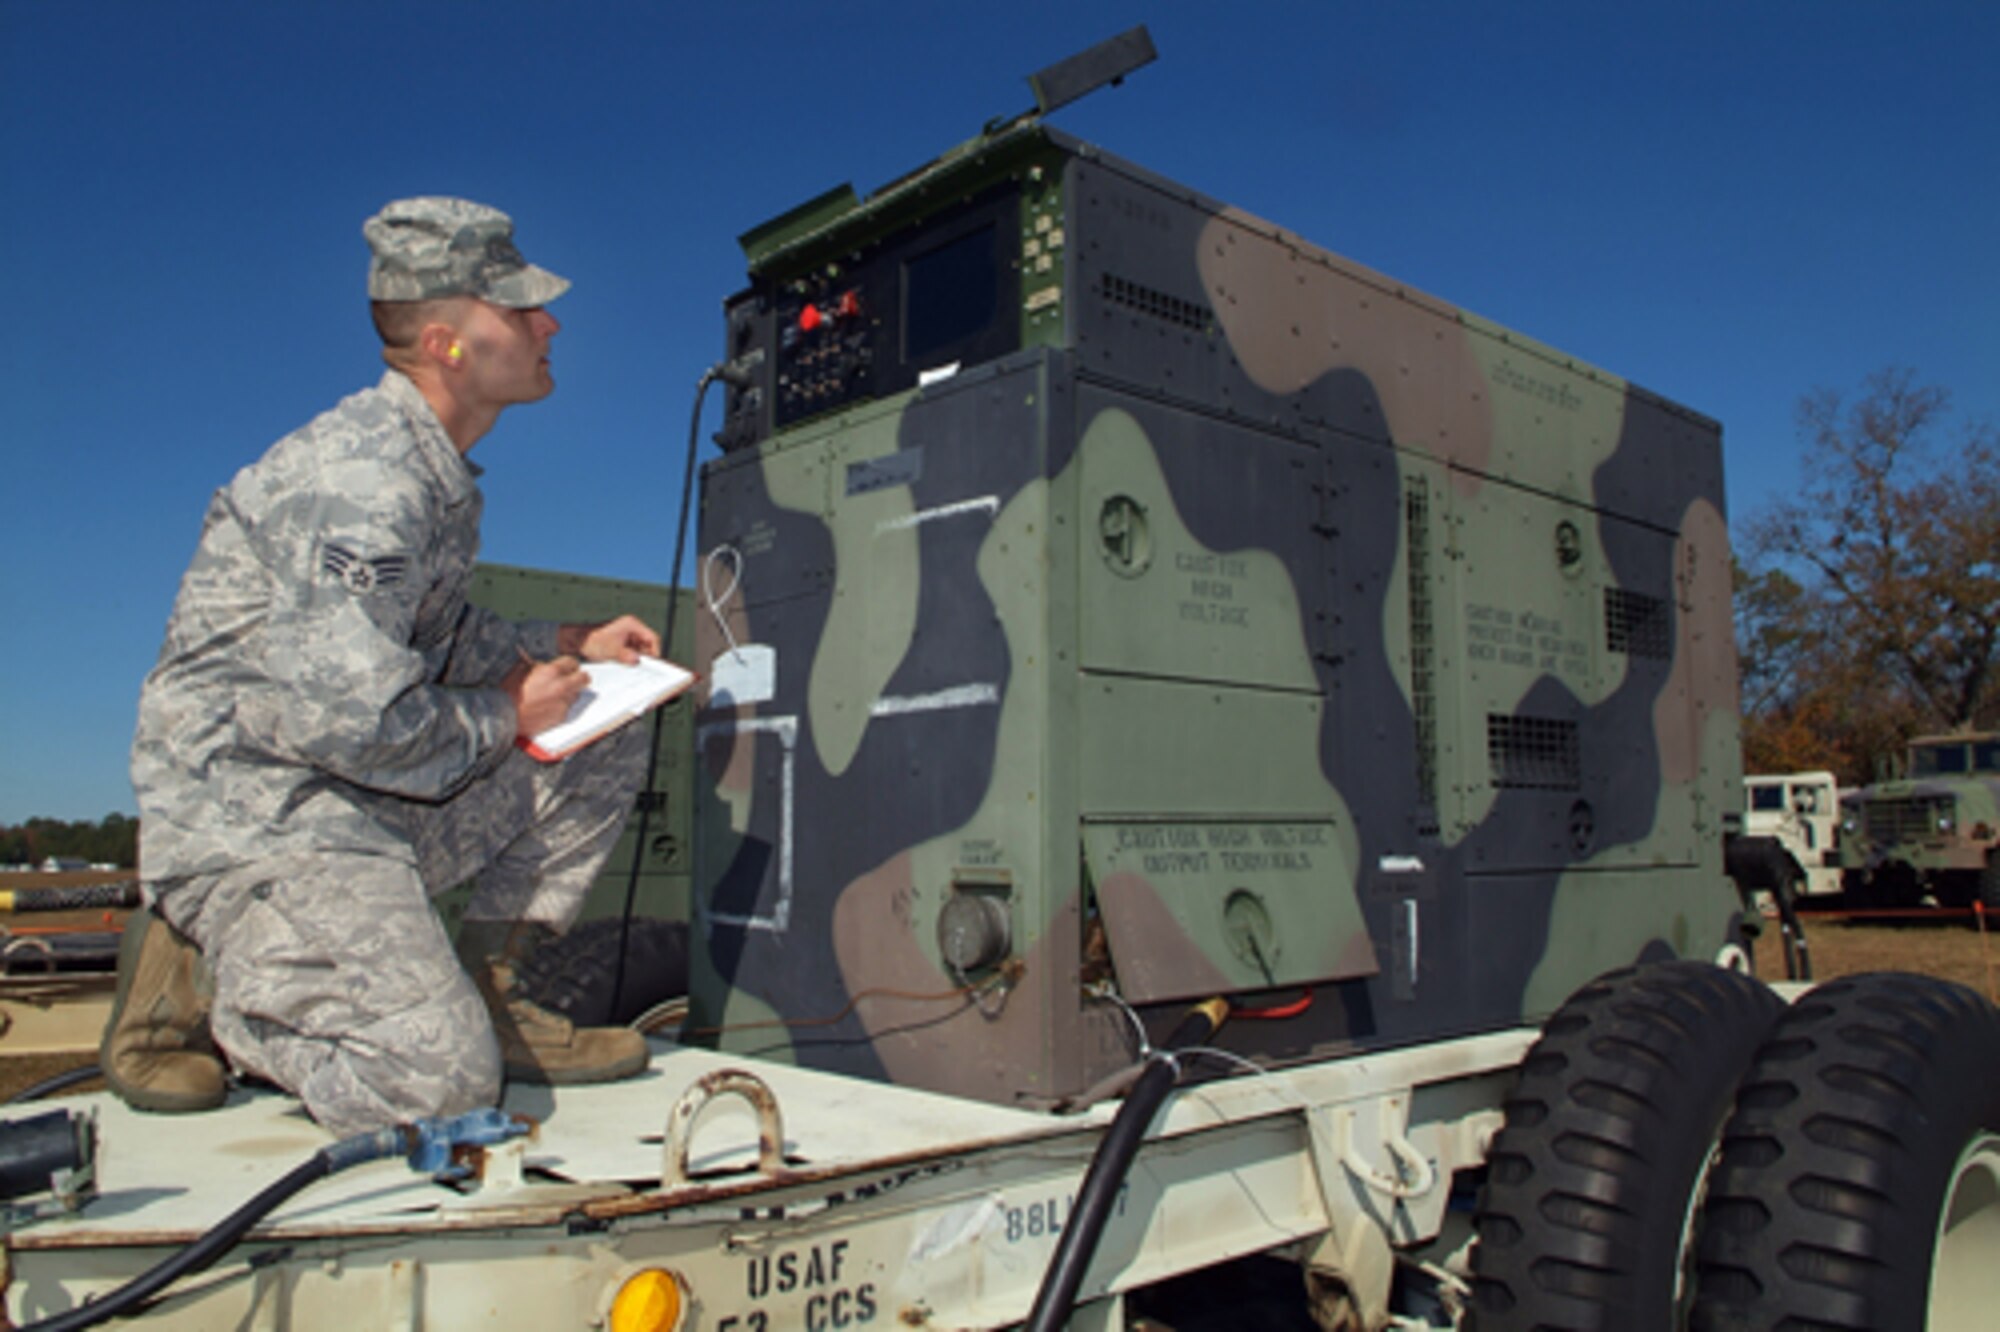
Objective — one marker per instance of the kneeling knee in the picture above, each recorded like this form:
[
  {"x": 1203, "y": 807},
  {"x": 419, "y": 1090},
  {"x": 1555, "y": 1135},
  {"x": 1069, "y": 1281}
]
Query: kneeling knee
[{"x": 443, "y": 1060}]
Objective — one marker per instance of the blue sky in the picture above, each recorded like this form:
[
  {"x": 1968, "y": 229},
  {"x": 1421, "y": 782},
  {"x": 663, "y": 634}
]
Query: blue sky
[{"x": 1730, "y": 204}]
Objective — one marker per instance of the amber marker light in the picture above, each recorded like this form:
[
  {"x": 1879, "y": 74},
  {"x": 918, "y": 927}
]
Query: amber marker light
[{"x": 649, "y": 1301}]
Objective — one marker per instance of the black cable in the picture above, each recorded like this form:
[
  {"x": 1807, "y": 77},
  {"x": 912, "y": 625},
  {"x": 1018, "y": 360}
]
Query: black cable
[
  {"x": 1792, "y": 931},
  {"x": 1108, "y": 1168},
  {"x": 426, "y": 1142},
  {"x": 197, "y": 1256},
  {"x": 708, "y": 376},
  {"x": 51, "y": 1085}
]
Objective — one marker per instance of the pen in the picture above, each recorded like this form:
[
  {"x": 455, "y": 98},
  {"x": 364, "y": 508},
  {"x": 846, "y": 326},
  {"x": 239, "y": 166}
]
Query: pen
[{"x": 532, "y": 662}]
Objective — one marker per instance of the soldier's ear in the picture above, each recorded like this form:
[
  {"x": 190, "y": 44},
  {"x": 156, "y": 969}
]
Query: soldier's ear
[{"x": 440, "y": 343}]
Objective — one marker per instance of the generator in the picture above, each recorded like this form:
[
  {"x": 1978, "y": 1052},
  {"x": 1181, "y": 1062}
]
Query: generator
[{"x": 1109, "y": 600}]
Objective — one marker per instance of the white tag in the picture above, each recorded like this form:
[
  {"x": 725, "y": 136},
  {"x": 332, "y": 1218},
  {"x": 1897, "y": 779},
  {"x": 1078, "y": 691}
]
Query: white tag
[
  {"x": 936, "y": 374},
  {"x": 743, "y": 675}
]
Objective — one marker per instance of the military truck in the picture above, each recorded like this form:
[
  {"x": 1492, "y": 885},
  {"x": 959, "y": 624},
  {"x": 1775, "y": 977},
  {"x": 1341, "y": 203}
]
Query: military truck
[
  {"x": 1207, "y": 754},
  {"x": 1791, "y": 834},
  {"x": 1934, "y": 832}
]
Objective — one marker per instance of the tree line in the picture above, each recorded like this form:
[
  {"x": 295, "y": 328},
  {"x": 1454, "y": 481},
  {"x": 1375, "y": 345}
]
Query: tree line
[
  {"x": 113, "y": 840},
  {"x": 1868, "y": 599}
]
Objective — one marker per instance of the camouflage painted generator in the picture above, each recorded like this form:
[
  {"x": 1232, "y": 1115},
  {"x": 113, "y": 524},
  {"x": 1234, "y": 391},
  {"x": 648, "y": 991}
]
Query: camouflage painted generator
[{"x": 1111, "y": 599}]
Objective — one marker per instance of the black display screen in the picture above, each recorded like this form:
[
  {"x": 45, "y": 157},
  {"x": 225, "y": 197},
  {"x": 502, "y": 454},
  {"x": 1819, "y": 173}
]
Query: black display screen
[
  {"x": 850, "y": 325},
  {"x": 950, "y": 294}
]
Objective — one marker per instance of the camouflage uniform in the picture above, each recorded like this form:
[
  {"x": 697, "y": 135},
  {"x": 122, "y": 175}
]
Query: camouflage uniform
[{"x": 322, "y": 744}]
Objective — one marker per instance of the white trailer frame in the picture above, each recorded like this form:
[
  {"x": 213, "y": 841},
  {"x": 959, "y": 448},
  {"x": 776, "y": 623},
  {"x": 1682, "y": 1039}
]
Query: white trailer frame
[{"x": 886, "y": 1206}]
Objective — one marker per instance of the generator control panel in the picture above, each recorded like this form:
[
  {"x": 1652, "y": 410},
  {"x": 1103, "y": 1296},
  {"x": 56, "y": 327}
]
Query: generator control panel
[{"x": 886, "y": 298}]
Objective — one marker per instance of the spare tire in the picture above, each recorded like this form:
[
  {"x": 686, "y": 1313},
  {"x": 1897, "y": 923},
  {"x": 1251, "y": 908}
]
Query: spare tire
[
  {"x": 574, "y": 975},
  {"x": 1594, "y": 1181}
]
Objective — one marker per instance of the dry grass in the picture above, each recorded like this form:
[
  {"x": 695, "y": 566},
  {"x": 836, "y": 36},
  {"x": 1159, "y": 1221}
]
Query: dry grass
[{"x": 1952, "y": 948}]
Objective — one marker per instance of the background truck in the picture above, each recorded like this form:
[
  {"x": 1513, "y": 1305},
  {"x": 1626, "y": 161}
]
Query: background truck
[
  {"x": 1206, "y": 754},
  {"x": 1933, "y": 832},
  {"x": 1791, "y": 834}
]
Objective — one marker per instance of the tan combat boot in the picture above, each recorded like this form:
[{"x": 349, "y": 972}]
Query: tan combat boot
[
  {"x": 157, "y": 1053},
  {"x": 535, "y": 1044}
]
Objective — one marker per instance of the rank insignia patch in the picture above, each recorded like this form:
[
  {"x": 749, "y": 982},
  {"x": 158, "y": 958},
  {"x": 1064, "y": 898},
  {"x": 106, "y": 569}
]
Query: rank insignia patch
[{"x": 363, "y": 575}]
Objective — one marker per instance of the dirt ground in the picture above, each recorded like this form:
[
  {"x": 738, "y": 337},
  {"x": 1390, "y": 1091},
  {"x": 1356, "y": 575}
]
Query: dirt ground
[
  {"x": 1950, "y": 947},
  {"x": 1954, "y": 949}
]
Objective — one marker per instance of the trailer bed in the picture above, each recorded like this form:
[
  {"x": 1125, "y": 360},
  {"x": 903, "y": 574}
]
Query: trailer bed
[{"x": 889, "y": 1203}]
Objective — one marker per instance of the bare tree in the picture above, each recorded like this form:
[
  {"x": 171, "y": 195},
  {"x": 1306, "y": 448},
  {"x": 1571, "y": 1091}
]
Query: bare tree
[{"x": 1870, "y": 599}]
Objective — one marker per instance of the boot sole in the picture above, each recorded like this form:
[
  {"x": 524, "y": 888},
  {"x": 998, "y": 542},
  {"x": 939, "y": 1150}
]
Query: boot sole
[{"x": 162, "y": 1103}]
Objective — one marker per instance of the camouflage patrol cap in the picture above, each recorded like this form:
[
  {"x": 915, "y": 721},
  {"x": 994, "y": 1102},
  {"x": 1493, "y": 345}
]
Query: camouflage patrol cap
[{"x": 430, "y": 247}]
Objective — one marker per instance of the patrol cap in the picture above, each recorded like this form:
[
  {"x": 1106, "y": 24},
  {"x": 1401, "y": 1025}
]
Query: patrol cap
[{"x": 433, "y": 246}]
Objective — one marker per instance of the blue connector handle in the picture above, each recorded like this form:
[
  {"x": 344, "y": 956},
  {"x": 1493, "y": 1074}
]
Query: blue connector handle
[{"x": 427, "y": 1143}]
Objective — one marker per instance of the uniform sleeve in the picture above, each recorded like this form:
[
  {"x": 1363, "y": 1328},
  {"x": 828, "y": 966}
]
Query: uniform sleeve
[
  {"x": 485, "y": 646},
  {"x": 346, "y": 690}
]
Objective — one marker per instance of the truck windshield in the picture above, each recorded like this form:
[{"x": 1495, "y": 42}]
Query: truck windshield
[
  {"x": 1986, "y": 756},
  {"x": 1937, "y": 760},
  {"x": 1770, "y": 798}
]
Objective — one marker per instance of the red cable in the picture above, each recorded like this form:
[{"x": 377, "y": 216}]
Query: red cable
[{"x": 1293, "y": 1009}]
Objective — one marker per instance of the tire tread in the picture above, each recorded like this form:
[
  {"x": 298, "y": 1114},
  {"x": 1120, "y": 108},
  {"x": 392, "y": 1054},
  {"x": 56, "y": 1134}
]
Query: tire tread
[
  {"x": 1822, "y": 1209},
  {"x": 1574, "y": 1229}
]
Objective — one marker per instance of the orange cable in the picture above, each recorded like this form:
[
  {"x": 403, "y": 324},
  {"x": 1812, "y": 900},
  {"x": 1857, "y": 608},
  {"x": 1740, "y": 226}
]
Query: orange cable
[{"x": 1277, "y": 1011}]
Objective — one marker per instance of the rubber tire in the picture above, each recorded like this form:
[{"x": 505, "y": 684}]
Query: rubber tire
[
  {"x": 573, "y": 975},
  {"x": 1823, "y": 1210},
  {"x": 1592, "y": 1180}
]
